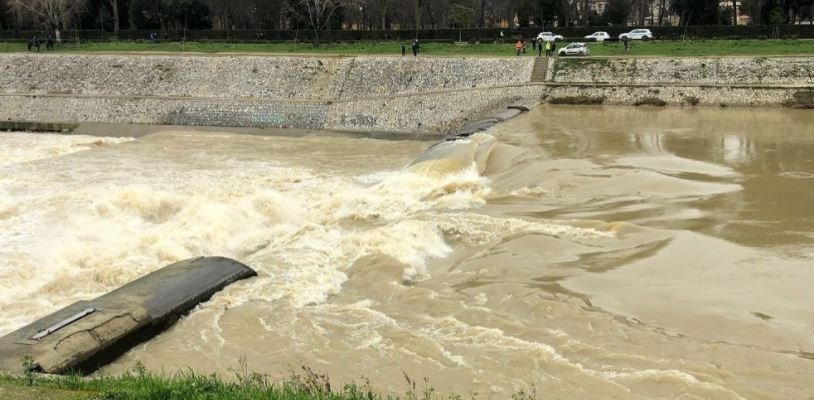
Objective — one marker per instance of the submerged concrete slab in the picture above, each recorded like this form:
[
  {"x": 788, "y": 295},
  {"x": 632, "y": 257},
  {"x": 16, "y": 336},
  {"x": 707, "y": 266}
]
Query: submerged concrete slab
[{"x": 88, "y": 334}]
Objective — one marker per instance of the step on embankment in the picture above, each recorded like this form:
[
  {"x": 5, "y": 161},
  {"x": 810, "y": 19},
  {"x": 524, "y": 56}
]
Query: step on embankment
[
  {"x": 540, "y": 69},
  {"x": 89, "y": 334}
]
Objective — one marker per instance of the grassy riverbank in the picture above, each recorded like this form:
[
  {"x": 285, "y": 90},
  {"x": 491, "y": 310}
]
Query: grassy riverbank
[
  {"x": 653, "y": 48},
  {"x": 182, "y": 386},
  {"x": 143, "y": 385}
]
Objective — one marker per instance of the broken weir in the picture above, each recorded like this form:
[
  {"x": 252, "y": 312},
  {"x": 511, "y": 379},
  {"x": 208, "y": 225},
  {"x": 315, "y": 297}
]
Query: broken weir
[{"x": 89, "y": 334}]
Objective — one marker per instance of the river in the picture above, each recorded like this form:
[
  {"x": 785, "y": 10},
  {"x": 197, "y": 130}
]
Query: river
[{"x": 598, "y": 252}]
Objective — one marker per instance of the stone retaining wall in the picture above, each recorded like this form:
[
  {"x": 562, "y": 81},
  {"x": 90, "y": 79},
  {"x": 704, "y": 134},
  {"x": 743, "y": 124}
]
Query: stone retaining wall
[
  {"x": 401, "y": 94},
  {"x": 791, "y": 71},
  {"x": 439, "y": 113},
  {"x": 383, "y": 76},
  {"x": 263, "y": 77},
  {"x": 394, "y": 94}
]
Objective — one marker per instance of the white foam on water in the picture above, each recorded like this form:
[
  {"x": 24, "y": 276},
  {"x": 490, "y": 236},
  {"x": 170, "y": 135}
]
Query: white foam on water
[
  {"x": 301, "y": 228},
  {"x": 20, "y": 147}
]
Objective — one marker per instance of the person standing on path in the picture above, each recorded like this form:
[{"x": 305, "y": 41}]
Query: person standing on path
[
  {"x": 518, "y": 46},
  {"x": 416, "y": 48},
  {"x": 539, "y": 48},
  {"x": 403, "y": 49},
  {"x": 626, "y": 41},
  {"x": 554, "y": 47},
  {"x": 548, "y": 49}
]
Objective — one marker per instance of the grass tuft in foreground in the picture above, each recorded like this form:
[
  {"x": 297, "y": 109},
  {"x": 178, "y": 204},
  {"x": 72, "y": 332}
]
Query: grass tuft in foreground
[{"x": 187, "y": 385}]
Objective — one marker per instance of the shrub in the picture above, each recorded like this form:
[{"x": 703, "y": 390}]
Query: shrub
[
  {"x": 801, "y": 99},
  {"x": 577, "y": 100},
  {"x": 650, "y": 101}
]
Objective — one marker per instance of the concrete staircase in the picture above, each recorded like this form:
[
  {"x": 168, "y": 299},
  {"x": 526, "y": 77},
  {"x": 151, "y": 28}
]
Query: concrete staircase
[{"x": 540, "y": 69}]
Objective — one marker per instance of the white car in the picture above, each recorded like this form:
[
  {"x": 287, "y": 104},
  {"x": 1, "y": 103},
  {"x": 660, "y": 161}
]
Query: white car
[
  {"x": 575, "y": 49},
  {"x": 598, "y": 36},
  {"x": 548, "y": 36},
  {"x": 637, "y": 34}
]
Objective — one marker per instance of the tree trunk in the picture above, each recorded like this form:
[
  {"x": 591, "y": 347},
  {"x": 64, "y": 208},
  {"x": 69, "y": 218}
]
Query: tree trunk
[
  {"x": 316, "y": 36},
  {"x": 385, "y": 9},
  {"x": 642, "y": 11},
  {"x": 482, "y": 9},
  {"x": 115, "y": 5},
  {"x": 430, "y": 15},
  {"x": 734, "y": 12},
  {"x": 662, "y": 8},
  {"x": 417, "y": 15}
]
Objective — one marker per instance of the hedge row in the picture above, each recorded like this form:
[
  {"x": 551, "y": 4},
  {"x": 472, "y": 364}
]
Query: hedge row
[{"x": 439, "y": 35}]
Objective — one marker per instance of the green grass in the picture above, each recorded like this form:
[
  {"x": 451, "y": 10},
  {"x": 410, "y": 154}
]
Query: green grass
[
  {"x": 653, "y": 48},
  {"x": 140, "y": 384},
  {"x": 143, "y": 385}
]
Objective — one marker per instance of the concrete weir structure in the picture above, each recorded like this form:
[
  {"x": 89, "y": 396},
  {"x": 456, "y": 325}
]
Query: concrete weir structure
[
  {"x": 423, "y": 95},
  {"x": 87, "y": 334}
]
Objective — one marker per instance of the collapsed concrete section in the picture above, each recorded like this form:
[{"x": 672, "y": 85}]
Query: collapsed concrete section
[{"x": 88, "y": 334}]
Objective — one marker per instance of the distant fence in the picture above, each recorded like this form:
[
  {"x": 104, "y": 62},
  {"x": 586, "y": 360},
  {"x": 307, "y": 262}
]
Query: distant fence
[{"x": 430, "y": 35}]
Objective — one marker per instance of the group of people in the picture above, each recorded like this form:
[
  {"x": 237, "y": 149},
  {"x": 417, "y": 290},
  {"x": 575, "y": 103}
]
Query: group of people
[
  {"x": 416, "y": 47},
  {"x": 53, "y": 39},
  {"x": 538, "y": 45}
]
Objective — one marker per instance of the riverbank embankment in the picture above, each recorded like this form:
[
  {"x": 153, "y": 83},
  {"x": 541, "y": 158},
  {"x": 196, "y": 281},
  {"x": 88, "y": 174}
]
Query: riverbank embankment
[
  {"x": 383, "y": 94},
  {"x": 429, "y": 95},
  {"x": 704, "y": 81}
]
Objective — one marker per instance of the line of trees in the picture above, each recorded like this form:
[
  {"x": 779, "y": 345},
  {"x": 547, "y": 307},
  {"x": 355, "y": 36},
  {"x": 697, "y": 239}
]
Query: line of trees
[{"x": 318, "y": 15}]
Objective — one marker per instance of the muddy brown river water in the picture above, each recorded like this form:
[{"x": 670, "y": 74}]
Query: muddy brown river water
[{"x": 596, "y": 253}]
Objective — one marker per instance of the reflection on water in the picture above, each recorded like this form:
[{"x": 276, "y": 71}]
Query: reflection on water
[
  {"x": 593, "y": 252},
  {"x": 771, "y": 151}
]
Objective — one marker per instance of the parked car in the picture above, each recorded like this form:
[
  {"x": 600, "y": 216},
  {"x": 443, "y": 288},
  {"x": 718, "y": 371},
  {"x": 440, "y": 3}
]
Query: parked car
[
  {"x": 548, "y": 36},
  {"x": 637, "y": 34},
  {"x": 575, "y": 49},
  {"x": 598, "y": 36}
]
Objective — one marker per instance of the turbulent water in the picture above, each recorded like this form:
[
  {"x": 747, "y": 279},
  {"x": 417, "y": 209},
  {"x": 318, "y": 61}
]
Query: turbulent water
[{"x": 583, "y": 252}]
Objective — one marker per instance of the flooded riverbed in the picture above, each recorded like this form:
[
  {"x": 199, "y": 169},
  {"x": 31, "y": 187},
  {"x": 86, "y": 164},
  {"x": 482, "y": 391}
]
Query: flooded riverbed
[{"x": 596, "y": 253}]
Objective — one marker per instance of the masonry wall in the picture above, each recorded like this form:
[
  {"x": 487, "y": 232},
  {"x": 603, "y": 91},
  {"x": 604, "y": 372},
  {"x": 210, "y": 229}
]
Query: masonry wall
[
  {"x": 400, "y": 94},
  {"x": 433, "y": 95},
  {"x": 439, "y": 113},
  {"x": 263, "y": 77},
  {"x": 790, "y": 71}
]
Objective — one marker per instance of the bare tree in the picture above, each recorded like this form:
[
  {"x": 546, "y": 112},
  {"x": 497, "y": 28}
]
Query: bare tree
[
  {"x": 320, "y": 12},
  {"x": 51, "y": 14},
  {"x": 114, "y": 6},
  {"x": 662, "y": 11},
  {"x": 385, "y": 8}
]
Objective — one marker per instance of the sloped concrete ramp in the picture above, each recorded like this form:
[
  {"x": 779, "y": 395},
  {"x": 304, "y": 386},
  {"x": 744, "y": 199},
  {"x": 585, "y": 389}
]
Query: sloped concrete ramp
[{"x": 88, "y": 334}]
